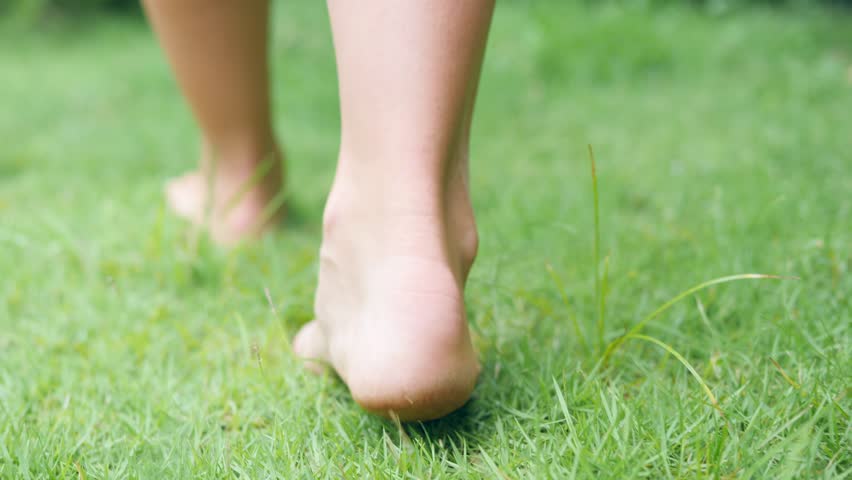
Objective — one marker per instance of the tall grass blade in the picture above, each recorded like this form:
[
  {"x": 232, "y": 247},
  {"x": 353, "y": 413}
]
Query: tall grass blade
[
  {"x": 784, "y": 374},
  {"x": 273, "y": 207},
  {"x": 604, "y": 294},
  {"x": 493, "y": 466},
  {"x": 597, "y": 250},
  {"x": 259, "y": 174},
  {"x": 563, "y": 406},
  {"x": 732, "y": 278},
  {"x": 559, "y": 285},
  {"x": 683, "y": 361}
]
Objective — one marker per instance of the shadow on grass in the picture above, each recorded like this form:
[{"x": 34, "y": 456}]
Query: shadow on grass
[
  {"x": 465, "y": 424},
  {"x": 469, "y": 427}
]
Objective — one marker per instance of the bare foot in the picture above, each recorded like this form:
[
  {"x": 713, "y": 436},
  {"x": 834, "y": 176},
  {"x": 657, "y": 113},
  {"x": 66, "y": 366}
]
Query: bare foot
[
  {"x": 234, "y": 202},
  {"x": 390, "y": 316}
]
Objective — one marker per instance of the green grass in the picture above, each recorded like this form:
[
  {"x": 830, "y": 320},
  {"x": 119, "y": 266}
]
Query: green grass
[{"x": 723, "y": 147}]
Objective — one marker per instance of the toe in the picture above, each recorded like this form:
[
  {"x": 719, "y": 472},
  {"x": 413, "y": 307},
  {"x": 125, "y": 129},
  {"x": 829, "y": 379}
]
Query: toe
[{"x": 311, "y": 346}]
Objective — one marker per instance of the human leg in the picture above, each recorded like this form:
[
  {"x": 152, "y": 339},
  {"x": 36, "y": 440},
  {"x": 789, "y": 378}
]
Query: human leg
[
  {"x": 218, "y": 51},
  {"x": 399, "y": 233}
]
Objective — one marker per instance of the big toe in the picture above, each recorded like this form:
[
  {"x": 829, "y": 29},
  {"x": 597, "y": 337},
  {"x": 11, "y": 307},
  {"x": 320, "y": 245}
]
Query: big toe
[{"x": 311, "y": 346}]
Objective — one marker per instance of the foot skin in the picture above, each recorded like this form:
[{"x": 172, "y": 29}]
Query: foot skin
[
  {"x": 390, "y": 316},
  {"x": 234, "y": 204}
]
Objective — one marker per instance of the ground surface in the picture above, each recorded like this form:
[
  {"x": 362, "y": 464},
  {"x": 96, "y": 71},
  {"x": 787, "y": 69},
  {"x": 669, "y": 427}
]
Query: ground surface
[{"x": 129, "y": 350}]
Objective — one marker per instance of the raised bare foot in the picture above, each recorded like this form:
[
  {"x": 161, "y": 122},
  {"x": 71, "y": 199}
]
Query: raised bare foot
[
  {"x": 390, "y": 316},
  {"x": 234, "y": 201}
]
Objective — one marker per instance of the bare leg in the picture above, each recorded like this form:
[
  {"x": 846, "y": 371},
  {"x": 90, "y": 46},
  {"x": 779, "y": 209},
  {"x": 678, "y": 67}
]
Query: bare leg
[
  {"x": 218, "y": 50},
  {"x": 399, "y": 233}
]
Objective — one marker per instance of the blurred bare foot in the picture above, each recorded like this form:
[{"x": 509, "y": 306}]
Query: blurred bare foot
[{"x": 234, "y": 201}]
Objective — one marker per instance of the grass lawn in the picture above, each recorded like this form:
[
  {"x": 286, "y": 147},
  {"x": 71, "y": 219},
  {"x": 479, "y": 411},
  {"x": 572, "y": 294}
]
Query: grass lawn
[{"x": 724, "y": 146}]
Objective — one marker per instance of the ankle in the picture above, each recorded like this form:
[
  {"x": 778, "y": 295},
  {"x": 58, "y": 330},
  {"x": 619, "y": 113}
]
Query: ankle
[
  {"x": 354, "y": 225},
  {"x": 391, "y": 220}
]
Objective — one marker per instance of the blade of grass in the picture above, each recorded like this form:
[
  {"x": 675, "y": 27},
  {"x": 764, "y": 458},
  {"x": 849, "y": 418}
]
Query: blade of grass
[
  {"x": 604, "y": 294},
  {"x": 81, "y": 474},
  {"x": 561, "y": 287},
  {"x": 597, "y": 251},
  {"x": 703, "y": 313},
  {"x": 775, "y": 450},
  {"x": 493, "y": 466},
  {"x": 273, "y": 207},
  {"x": 732, "y": 278},
  {"x": 563, "y": 406},
  {"x": 404, "y": 439},
  {"x": 683, "y": 361},
  {"x": 784, "y": 374},
  {"x": 259, "y": 174}
]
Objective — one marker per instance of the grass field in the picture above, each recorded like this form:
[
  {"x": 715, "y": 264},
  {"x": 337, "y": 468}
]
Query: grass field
[{"x": 724, "y": 146}]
